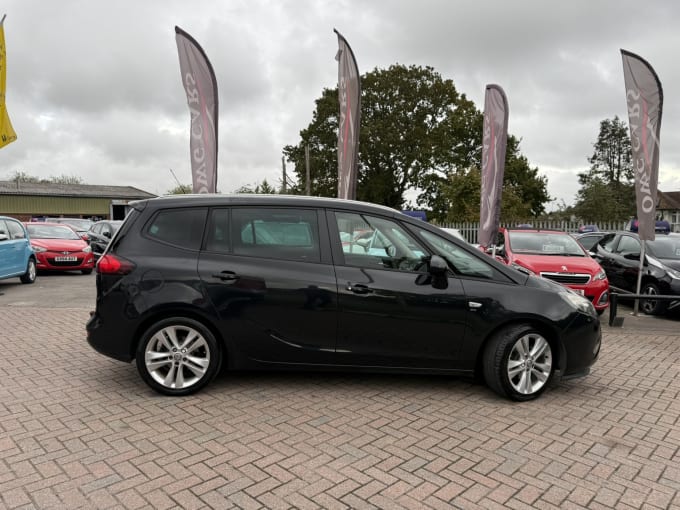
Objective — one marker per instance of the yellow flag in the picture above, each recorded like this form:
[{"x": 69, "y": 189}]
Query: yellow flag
[{"x": 7, "y": 134}]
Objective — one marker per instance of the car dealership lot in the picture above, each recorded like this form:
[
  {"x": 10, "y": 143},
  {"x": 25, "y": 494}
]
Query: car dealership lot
[{"x": 78, "y": 430}]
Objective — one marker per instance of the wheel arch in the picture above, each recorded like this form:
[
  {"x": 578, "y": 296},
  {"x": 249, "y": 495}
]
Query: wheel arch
[
  {"x": 549, "y": 332},
  {"x": 178, "y": 311}
]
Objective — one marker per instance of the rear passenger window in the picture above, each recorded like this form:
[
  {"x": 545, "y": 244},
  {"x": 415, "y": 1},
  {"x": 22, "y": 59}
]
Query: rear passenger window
[
  {"x": 290, "y": 234},
  {"x": 179, "y": 227}
]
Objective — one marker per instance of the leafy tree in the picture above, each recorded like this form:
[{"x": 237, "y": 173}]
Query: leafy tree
[
  {"x": 607, "y": 190},
  {"x": 417, "y": 132},
  {"x": 21, "y": 176},
  {"x": 181, "y": 189},
  {"x": 263, "y": 188}
]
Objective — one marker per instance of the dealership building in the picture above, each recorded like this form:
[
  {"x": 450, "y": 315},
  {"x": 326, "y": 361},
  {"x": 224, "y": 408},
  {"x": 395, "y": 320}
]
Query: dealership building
[{"x": 26, "y": 200}]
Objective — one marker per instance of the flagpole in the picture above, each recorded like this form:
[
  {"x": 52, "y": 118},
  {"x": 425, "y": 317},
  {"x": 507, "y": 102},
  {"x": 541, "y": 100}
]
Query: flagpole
[{"x": 639, "y": 276}]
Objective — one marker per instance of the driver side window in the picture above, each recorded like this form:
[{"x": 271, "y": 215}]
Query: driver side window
[
  {"x": 373, "y": 242},
  {"x": 628, "y": 245}
]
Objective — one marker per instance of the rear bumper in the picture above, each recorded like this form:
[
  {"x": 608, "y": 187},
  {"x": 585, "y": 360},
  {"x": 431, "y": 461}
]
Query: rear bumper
[{"x": 108, "y": 341}]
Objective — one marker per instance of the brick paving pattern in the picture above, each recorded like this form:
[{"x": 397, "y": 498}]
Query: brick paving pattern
[{"x": 78, "y": 430}]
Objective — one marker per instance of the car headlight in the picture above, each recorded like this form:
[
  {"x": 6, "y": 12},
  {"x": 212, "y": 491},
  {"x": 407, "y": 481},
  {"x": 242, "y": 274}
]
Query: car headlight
[
  {"x": 579, "y": 302},
  {"x": 522, "y": 269},
  {"x": 38, "y": 249},
  {"x": 87, "y": 249},
  {"x": 601, "y": 275},
  {"x": 673, "y": 273}
]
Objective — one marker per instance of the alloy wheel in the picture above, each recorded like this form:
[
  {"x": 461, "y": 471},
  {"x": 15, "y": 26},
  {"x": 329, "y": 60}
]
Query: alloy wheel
[{"x": 529, "y": 364}]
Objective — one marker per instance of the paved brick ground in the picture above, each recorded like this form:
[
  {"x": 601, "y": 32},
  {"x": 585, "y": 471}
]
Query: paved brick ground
[{"x": 78, "y": 430}]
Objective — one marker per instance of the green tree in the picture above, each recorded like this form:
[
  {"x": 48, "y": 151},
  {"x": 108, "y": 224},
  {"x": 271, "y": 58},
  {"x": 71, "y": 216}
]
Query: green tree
[
  {"x": 181, "y": 189},
  {"x": 21, "y": 176},
  {"x": 264, "y": 188},
  {"x": 417, "y": 133},
  {"x": 607, "y": 191}
]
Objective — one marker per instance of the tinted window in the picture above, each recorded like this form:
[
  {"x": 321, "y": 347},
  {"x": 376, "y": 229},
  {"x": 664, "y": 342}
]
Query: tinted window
[
  {"x": 372, "y": 242},
  {"x": 180, "y": 227},
  {"x": 3, "y": 229},
  {"x": 628, "y": 244},
  {"x": 218, "y": 231},
  {"x": 291, "y": 234},
  {"x": 462, "y": 262},
  {"x": 607, "y": 243},
  {"x": 15, "y": 230}
]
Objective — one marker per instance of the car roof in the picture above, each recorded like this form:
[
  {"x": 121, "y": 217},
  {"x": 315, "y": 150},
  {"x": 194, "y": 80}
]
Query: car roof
[{"x": 217, "y": 199}]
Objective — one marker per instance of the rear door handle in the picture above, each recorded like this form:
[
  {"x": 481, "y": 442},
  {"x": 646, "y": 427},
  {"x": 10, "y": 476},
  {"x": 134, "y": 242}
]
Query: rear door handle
[
  {"x": 358, "y": 288},
  {"x": 226, "y": 276}
]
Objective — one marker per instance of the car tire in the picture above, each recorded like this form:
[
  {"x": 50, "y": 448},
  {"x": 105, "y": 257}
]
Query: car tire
[
  {"x": 649, "y": 306},
  {"x": 86, "y": 271},
  {"x": 31, "y": 272},
  {"x": 518, "y": 363},
  {"x": 178, "y": 356}
]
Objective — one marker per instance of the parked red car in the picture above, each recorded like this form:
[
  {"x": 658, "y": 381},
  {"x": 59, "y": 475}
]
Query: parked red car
[
  {"x": 556, "y": 256},
  {"x": 59, "y": 248}
]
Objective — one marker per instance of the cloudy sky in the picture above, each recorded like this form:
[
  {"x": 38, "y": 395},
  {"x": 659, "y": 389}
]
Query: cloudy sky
[{"x": 94, "y": 89}]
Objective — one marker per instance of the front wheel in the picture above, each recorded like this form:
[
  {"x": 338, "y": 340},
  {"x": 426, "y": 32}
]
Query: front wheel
[
  {"x": 178, "y": 356},
  {"x": 30, "y": 274},
  {"x": 518, "y": 363},
  {"x": 652, "y": 306}
]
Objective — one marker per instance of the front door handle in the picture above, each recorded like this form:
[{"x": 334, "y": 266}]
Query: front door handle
[
  {"x": 226, "y": 276},
  {"x": 358, "y": 288}
]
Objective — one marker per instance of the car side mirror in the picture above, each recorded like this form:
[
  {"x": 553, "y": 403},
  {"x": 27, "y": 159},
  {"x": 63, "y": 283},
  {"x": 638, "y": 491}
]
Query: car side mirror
[
  {"x": 107, "y": 234},
  {"x": 437, "y": 266},
  {"x": 3, "y": 237}
]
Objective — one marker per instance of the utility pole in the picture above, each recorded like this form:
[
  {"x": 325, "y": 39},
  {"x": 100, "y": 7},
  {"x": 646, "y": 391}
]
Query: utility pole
[
  {"x": 284, "y": 187},
  {"x": 308, "y": 182}
]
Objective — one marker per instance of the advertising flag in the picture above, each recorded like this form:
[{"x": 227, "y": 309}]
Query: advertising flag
[
  {"x": 494, "y": 141},
  {"x": 7, "y": 134},
  {"x": 644, "y": 98},
  {"x": 200, "y": 85},
  {"x": 349, "y": 96}
]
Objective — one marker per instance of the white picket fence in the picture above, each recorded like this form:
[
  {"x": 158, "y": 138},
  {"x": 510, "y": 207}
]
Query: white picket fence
[{"x": 470, "y": 229}]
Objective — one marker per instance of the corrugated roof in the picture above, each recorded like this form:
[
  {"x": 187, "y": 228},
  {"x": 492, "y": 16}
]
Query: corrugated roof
[
  {"x": 669, "y": 200},
  {"x": 71, "y": 190}
]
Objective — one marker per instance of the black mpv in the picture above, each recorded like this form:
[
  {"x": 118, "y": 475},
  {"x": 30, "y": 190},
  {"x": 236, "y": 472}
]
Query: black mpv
[{"x": 191, "y": 283}]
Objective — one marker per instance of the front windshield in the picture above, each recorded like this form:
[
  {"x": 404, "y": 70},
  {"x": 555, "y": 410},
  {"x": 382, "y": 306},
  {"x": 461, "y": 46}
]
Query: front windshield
[
  {"x": 545, "y": 243},
  {"x": 51, "y": 232},
  {"x": 665, "y": 247}
]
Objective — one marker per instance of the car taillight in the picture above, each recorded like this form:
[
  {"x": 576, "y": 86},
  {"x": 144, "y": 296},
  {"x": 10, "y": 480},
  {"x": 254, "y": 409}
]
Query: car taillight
[{"x": 111, "y": 264}]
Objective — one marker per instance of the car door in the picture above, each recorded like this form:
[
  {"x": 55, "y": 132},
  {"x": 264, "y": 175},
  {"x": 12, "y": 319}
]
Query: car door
[
  {"x": 9, "y": 256},
  {"x": 390, "y": 313},
  {"x": 626, "y": 262},
  {"x": 269, "y": 275}
]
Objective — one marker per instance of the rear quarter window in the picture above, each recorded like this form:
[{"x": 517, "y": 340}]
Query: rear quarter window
[{"x": 179, "y": 227}]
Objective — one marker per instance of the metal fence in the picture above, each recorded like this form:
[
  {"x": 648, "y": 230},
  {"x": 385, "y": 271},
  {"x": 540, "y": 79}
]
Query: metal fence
[{"x": 470, "y": 229}]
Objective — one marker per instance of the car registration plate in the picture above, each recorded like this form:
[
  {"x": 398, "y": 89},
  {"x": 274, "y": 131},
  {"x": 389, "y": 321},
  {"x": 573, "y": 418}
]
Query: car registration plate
[
  {"x": 579, "y": 291},
  {"x": 65, "y": 259}
]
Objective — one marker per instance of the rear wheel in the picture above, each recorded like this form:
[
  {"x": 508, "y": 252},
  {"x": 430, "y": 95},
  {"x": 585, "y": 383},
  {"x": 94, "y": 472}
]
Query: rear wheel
[
  {"x": 178, "y": 356},
  {"x": 652, "y": 306},
  {"x": 30, "y": 274},
  {"x": 518, "y": 363}
]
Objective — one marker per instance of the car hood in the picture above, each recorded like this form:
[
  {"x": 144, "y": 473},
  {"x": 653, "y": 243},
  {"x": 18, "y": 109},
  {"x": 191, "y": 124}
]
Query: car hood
[
  {"x": 60, "y": 244},
  {"x": 557, "y": 264},
  {"x": 672, "y": 263}
]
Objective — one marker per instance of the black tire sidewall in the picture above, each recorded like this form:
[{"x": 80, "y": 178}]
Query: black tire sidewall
[
  {"x": 496, "y": 358},
  {"x": 659, "y": 306},
  {"x": 213, "y": 346}
]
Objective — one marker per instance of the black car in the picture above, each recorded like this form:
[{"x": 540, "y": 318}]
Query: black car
[
  {"x": 589, "y": 239},
  {"x": 191, "y": 283},
  {"x": 619, "y": 255},
  {"x": 100, "y": 235}
]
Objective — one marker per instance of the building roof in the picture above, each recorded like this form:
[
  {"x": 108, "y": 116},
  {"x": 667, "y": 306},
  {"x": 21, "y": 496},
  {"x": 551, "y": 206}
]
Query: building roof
[
  {"x": 669, "y": 200},
  {"x": 71, "y": 190}
]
